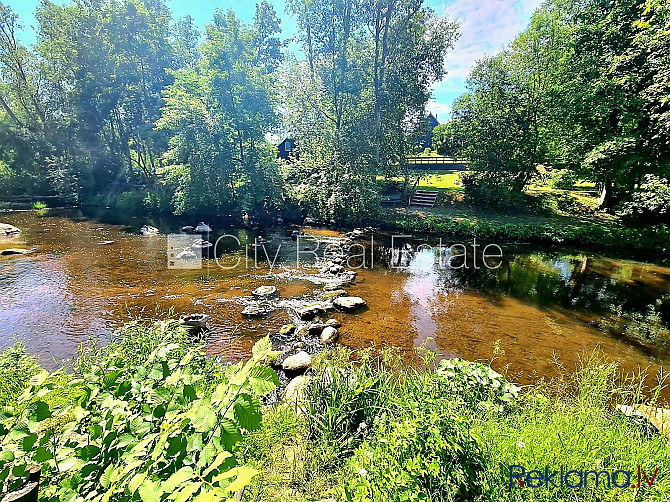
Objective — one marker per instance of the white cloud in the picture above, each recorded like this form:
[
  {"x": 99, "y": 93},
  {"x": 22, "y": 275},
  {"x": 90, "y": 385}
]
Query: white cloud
[{"x": 486, "y": 27}]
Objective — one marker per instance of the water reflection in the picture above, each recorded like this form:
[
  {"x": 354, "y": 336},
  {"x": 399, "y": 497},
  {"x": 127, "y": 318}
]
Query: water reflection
[{"x": 539, "y": 304}]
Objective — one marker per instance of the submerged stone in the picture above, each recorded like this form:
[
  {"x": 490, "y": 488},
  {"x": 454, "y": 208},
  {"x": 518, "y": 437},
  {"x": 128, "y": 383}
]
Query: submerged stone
[{"x": 264, "y": 291}]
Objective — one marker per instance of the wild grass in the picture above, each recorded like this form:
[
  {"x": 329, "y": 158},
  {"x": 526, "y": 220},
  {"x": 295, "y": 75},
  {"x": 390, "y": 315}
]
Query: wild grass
[
  {"x": 384, "y": 428},
  {"x": 17, "y": 367},
  {"x": 573, "y": 422}
]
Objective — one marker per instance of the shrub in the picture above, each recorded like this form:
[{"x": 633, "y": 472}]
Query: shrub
[
  {"x": 141, "y": 429},
  {"x": 650, "y": 203},
  {"x": 563, "y": 179},
  {"x": 430, "y": 456},
  {"x": 422, "y": 448},
  {"x": 131, "y": 202},
  {"x": 499, "y": 190}
]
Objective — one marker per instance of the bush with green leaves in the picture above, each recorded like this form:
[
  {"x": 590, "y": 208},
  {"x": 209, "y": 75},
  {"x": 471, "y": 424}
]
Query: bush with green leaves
[
  {"x": 650, "y": 203},
  {"x": 655, "y": 238},
  {"x": 141, "y": 429},
  {"x": 493, "y": 189}
]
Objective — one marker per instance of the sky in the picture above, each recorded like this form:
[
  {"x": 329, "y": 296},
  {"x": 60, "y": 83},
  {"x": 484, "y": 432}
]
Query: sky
[{"x": 486, "y": 27}]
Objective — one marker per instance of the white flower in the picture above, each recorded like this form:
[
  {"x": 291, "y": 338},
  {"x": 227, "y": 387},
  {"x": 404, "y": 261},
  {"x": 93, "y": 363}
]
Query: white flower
[
  {"x": 520, "y": 444},
  {"x": 362, "y": 472}
]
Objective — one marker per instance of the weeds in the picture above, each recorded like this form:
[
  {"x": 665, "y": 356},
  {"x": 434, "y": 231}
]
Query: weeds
[
  {"x": 140, "y": 415},
  {"x": 17, "y": 367}
]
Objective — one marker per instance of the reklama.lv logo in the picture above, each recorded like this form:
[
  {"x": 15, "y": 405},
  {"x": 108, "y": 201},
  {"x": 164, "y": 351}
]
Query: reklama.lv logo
[{"x": 550, "y": 478}]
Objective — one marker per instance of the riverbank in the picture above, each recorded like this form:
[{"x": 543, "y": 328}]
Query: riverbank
[
  {"x": 602, "y": 236},
  {"x": 150, "y": 417},
  {"x": 454, "y": 218}
]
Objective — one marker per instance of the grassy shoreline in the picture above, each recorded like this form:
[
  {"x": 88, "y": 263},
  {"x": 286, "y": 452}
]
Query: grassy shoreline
[
  {"x": 594, "y": 236},
  {"x": 150, "y": 418}
]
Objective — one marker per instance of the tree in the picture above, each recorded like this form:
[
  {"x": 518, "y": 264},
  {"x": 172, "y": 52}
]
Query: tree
[
  {"x": 371, "y": 64},
  {"x": 217, "y": 115}
]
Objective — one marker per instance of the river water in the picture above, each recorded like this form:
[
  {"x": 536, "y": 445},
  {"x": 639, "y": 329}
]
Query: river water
[{"x": 540, "y": 307}]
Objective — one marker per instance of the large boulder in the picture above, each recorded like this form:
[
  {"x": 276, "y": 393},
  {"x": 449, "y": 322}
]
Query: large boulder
[
  {"x": 7, "y": 229},
  {"x": 328, "y": 335},
  {"x": 349, "y": 303},
  {"x": 297, "y": 362}
]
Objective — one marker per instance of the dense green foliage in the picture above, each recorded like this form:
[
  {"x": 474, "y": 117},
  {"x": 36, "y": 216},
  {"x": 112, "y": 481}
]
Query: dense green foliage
[
  {"x": 119, "y": 105},
  {"x": 117, "y": 101},
  {"x": 16, "y": 368},
  {"x": 381, "y": 430},
  {"x": 583, "y": 88},
  {"x": 599, "y": 236},
  {"x": 149, "y": 418}
]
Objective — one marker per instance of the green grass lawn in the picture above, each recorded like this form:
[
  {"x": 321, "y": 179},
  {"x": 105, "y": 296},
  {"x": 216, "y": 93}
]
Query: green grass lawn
[{"x": 442, "y": 180}]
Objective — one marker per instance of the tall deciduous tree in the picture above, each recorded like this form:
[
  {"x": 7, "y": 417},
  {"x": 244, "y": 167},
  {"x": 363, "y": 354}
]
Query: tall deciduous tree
[{"x": 218, "y": 115}]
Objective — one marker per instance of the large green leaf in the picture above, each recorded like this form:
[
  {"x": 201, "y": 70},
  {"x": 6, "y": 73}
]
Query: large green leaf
[
  {"x": 263, "y": 380},
  {"x": 203, "y": 417},
  {"x": 230, "y": 434},
  {"x": 186, "y": 492},
  {"x": 178, "y": 479},
  {"x": 262, "y": 348},
  {"x": 240, "y": 477},
  {"x": 151, "y": 491},
  {"x": 38, "y": 411},
  {"x": 247, "y": 412}
]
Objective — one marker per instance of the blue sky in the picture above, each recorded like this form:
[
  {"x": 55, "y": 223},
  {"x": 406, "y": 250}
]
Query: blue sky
[{"x": 486, "y": 26}]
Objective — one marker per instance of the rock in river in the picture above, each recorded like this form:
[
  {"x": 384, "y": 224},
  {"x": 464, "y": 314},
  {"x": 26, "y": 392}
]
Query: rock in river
[
  {"x": 11, "y": 251},
  {"x": 287, "y": 329},
  {"x": 333, "y": 322},
  {"x": 328, "y": 335},
  {"x": 310, "y": 311},
  {"x": 254, "y": 311},
  {"x": 329, "y": 295},
  {"x": 7, "y": 229},
  {"x": 264, "y": 291},
  {"x": 298, "y": 362},
  {"x": 315, "y": 328},
  {"x": 349, "y": 302}
]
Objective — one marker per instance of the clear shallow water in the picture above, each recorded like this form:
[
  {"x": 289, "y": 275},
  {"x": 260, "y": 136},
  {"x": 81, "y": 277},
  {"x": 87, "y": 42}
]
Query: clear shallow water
[{"x": 539, "y": 306}]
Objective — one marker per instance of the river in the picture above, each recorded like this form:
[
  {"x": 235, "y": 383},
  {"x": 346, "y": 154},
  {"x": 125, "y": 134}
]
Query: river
[{"x": 540, "y": 307}]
